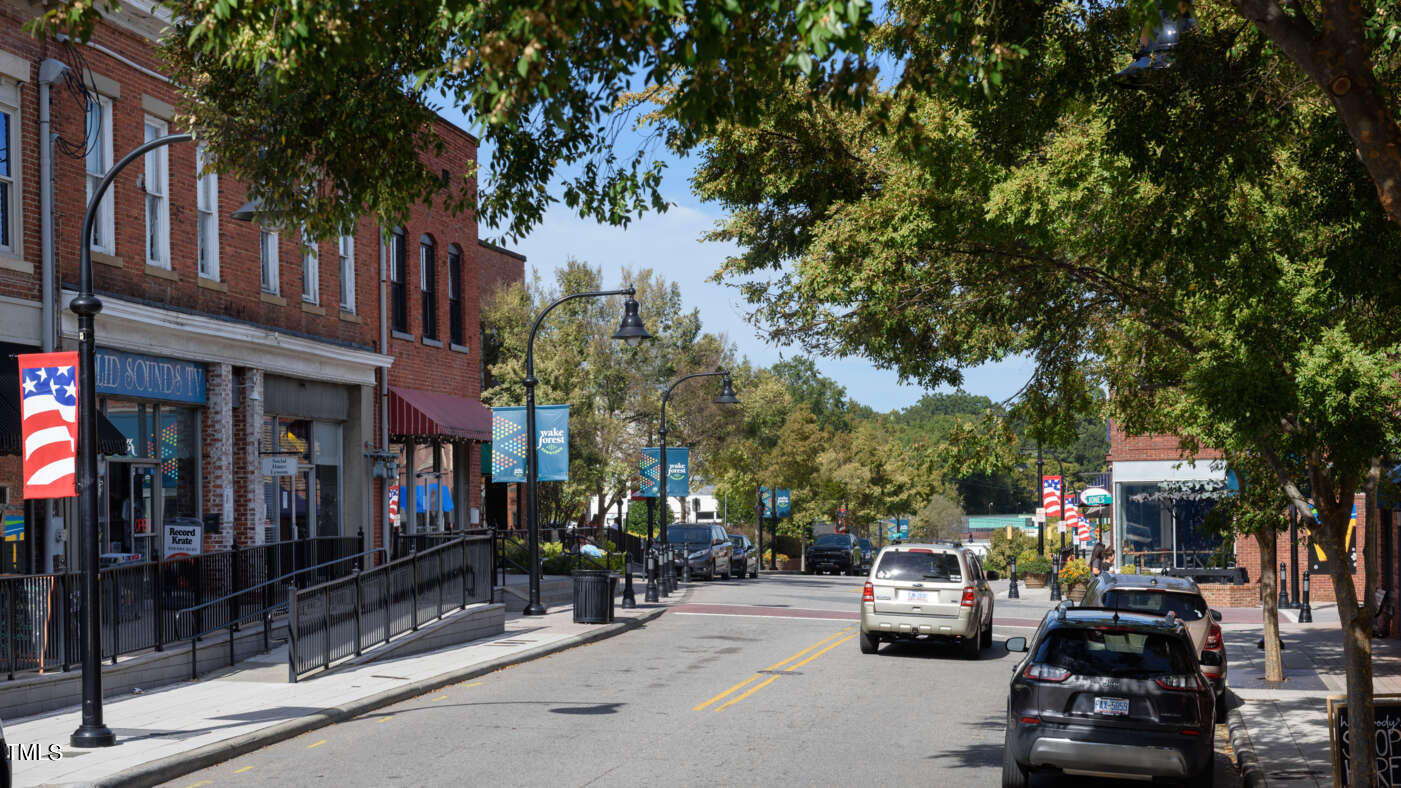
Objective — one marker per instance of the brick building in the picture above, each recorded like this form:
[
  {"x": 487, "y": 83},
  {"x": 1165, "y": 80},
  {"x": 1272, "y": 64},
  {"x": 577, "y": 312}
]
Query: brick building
[
  {"x": 1160, "y": 534},
  {"x": 252, "y": 381}
]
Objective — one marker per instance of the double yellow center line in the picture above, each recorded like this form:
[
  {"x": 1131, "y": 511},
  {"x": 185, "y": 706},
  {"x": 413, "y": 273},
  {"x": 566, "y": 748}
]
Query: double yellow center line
[{"x": 826, "y": 645}]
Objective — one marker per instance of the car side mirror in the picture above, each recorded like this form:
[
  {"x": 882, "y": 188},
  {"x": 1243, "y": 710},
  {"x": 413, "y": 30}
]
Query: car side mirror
[
  {"x": 1016, "y": 644},
  {"x": 1215, "y": 615}
]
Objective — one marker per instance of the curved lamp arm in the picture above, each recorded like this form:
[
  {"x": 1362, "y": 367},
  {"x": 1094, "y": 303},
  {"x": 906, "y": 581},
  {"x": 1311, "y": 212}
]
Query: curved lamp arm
[{"x": 530, "y": 345}]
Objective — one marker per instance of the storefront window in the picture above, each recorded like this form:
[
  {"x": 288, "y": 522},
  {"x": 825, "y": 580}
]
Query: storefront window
[
  {"x": 1164, "y": 532},
  {"x": 178, "y": 444},
  {"x": 156, "y": 478},
  {"x": 311, "y": 495}
]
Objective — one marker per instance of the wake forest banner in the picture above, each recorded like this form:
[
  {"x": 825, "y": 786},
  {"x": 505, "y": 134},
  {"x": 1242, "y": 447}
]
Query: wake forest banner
[
  {"x": 551, "y": 444},
  {"x": 678, "y": 477}
]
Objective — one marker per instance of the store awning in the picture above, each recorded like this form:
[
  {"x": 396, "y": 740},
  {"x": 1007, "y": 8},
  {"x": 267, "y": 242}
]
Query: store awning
[
  {"x": 426, "y": 414},
  {"x": 110, "y": 440}
]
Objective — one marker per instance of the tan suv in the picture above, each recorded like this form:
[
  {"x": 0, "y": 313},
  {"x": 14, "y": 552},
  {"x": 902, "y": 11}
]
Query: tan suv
[{"x": 933, "y": 591}]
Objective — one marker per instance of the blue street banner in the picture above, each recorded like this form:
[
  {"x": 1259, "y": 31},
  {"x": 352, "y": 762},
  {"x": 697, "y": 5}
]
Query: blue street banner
[
  {"x": 904, "y": 527},
  {"x": 551, "y": 443},
  {"x": 678, "y": 477},
  {"x": 766, "y": 504},
  {"x": 783, "y": 503}
]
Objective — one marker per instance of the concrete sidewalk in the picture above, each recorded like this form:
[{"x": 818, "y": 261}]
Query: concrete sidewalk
[
  {"x": 1287, "y": 723},
  {"x": 164, "y": 733}
]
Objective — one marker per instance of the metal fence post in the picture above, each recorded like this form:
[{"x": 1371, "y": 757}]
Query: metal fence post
[
  {"x": 413, "y": 583},
  {"x": 387, "y": 596},
  {"x": 358, "y": 601},
  {"x": 159, "y": 606},
  {"x": 466, "y": 567},
  {"x": 234, "y": 586},
  {"x": 441, "y": 583},
  {"x": 291, "y": 633},
  {"x": 114, "y": 591},
  {"x": 66, "y": 620},
  {"x": 325, "y": 628},
  {"x": 10, "y": 630}
]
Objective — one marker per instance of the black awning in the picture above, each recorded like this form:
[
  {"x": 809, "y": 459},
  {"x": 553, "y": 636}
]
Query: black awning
[{"x": 110, "y": 440}]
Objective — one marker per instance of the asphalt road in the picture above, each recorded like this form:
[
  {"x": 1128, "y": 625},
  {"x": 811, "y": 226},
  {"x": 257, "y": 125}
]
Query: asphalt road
[{"x": 749, "y": 681}]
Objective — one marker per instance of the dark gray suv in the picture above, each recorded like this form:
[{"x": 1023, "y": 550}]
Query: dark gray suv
[
  {"x": 707, "y": 548},
  {"x": 1110, "y": 694}
]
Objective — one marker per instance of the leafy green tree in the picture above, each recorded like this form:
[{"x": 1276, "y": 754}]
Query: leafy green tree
[{"x": 939, "y": 520}]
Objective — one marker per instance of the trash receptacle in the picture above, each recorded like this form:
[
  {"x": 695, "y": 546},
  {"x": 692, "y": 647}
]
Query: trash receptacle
[{"x": 593, "y": 600}]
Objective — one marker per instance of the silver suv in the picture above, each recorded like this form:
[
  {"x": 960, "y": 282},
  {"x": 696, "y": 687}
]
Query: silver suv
[{"x": 934, "y": 591}]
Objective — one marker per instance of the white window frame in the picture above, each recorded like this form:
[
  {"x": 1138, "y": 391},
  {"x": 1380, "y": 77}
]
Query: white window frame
[
  {"x": 157, "y": 188},
  {"x": 207, "y": 218},
  {"x": 268, "y": 261},
  {"x": 311, "y": 269},
  {"x": 9, "y": 104},
  {"x": 346, "y": 253},
  {"x": 102, "y": 145}
]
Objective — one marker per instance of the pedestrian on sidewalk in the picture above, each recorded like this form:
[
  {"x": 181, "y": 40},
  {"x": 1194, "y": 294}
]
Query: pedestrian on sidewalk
[{"x": 1097, "y": 558}]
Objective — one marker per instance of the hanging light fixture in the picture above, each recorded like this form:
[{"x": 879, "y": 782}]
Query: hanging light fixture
[{"x": 631, "y": 330}]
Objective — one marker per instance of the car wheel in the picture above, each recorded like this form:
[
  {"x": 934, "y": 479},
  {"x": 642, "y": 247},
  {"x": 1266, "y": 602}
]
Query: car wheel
[
  {"x": 985, "y": 641},
  {"x": 1014, "y": 775},
  {"x": 1221, "y": 706},
  {"x": 972, "y": 646},
  {"x": 869, "y": 643},
  {"x": 754, "y": 573}
]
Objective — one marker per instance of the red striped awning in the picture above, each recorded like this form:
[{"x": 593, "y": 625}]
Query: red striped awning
[{"x": 428, "y": 414}]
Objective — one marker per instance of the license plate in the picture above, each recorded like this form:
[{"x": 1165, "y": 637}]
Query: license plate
[
  {"x": 916, "y": 596},
  {"x": 1113, "y": 707}
]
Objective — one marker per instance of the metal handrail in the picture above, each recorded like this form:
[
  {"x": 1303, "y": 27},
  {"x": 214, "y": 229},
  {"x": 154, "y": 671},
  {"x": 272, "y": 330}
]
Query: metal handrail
[
  {"x": 278, "y": 579},
  {"x": 462, "y": 539}
]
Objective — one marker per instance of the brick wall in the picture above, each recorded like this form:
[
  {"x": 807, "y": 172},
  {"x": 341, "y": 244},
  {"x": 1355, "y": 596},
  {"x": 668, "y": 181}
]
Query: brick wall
[
  {"x": 1219, "y": 595},
  {"x": 217, "y": 446},
  {"x": 499, "y": 267},
  {"x": 1124, "y": 447},
  {"x": 250, "y": 506},
  {"x": 1320, "y": 586}
]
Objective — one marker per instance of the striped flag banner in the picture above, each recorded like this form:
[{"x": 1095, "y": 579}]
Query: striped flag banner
[
  {"x": 48, "y": 391},
  {"x": 1050, "y": 495}
]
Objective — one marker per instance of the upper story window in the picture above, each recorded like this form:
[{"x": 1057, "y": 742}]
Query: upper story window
[
  {"x": 346, "y": 252},
  {"x": 455, "y": 294},
  {"x": 157, "y": 197},
  {"x": 10, "y": 214},
  {"x": 207, "y": 205},
  {"x": 398, "y": 279},
  {"x": 428, "y": 284},
  {"x": 267, "y": 259},
  {"x": 99, "y": 160},
  {"x": 311, "y": 270}
]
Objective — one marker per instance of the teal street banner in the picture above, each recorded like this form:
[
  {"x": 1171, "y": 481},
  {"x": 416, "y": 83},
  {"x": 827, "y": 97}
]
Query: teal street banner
[
  {"x": 551, "y": 443},
  {"x": 648, "y": 471},
  {"x": 678, "y": 477},
  {"x": 766, "y": 504},
  {"x": 783, "y": 503}
]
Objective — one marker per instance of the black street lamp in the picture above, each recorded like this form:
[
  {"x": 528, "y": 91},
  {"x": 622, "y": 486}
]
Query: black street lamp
[
  {"x": 92, "y": 732},
  {"x": 631, "y": 331},
  {"x": 1040, "y": 497},
  {"x": 726, "y": 397}
]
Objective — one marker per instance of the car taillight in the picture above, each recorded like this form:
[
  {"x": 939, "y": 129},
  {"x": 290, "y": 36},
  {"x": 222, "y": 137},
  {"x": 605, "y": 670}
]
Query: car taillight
[
  {"x": 1038, "y": 672},
  {"x": 968, "y": 596},
  {"x": 1213, "y": 636},
  {"x": 868, "y": 594},
  {"x": 1180, "y": 683}
]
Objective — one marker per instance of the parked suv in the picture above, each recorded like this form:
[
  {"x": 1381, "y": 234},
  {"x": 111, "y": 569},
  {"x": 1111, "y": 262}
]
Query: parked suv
[
  {"x": 1160, "y": 594},
  {"x": 706, "y": 548},
  {"x": 834, "y": 553},
  {"x": 930, "y": 591},
  {"x": 1112, "y": 694},
  {"x": 746, "y": 557}
]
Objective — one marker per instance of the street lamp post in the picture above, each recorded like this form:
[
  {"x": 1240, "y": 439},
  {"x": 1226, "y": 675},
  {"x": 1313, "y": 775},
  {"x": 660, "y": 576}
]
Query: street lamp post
[
  {"x": 631, "y": 331},
  {"x": 91, "y": 731},
  {"x": 726, "y": 397}
]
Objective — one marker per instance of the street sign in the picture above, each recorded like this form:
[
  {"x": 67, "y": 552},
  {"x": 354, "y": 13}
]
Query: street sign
[
  {"x": 1040, "y": 514},
  {"x": 1096, "y": 496}
]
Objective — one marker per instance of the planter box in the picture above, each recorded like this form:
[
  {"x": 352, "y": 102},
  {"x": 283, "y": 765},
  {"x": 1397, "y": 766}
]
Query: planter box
[
  {"x": 1077, "y": 592},
  {"x": 1034, "y": 581}
]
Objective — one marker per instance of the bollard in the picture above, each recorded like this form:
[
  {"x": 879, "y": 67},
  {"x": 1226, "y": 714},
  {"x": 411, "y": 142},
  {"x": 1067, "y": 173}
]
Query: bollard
[
  {"x": 686, "y": 569},
  {"x": 664, "y": 571},
  {"x": 1012, "y": 592},
  {"x": 1305, "y": 612},
  {"x": 1055, "y": 578},
  {"x": 1283, "y": 587},
  {"x": 670, "y": 586},
  {"x": 629, "y": 595},
  {"x": 651, "y": 593}
]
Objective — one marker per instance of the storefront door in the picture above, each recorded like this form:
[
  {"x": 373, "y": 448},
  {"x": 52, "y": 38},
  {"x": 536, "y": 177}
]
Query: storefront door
[{"x": 133, "y": 510}]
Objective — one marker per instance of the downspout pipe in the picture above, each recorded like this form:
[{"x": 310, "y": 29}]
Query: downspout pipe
[
  {"x": 50, "y": 71},
  {"x": 384, "y": 385}
]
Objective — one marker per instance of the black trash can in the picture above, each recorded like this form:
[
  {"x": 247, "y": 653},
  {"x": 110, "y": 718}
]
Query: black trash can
[{"x": 593, "y": 597}]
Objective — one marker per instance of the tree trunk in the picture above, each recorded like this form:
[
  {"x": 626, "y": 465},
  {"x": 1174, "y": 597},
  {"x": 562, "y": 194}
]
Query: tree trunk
[
  {"x": 1356, "y": 626},
  {"x": 1269, "y": 596}
]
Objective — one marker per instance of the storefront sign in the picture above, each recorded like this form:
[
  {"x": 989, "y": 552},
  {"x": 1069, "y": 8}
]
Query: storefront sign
[
  {"x": 148, "y": 377},
  {"x": 1318, "y": 561},
  {"x": 280, "y": 465},
  {"x": 1388, "y": 739},
  {"x": 185, "y": 539}
]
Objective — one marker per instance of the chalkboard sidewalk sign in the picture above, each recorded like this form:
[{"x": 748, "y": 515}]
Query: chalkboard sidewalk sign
[{"x": 1388, "y": 708}]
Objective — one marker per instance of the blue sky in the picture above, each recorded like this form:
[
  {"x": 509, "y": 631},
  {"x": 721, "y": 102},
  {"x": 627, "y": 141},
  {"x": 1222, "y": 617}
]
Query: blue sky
[{"x": 670, "y": 244}]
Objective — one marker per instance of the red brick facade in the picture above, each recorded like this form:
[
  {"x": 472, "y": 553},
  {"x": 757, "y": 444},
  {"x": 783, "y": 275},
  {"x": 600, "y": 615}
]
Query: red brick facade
[
  {"x": 1124, "y": 447},
  {"x": 123, "y": 68}
]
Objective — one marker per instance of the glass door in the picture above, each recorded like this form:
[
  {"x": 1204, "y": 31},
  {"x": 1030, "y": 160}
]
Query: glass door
[
  {"x": 145, "y": 512},
  {"x": 132, "y": 522}
]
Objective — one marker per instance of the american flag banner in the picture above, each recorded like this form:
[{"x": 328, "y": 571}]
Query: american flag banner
[
  {"x": 48, "y": 384},
  {"x": 1079, "y": 527},
  {"x": 1050, "y": 495}
]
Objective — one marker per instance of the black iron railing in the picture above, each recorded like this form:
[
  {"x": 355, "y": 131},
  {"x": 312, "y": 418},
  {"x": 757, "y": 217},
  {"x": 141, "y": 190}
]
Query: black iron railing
[
  {"x": 139, "y": 602},
  {"x": 342, "y": 618}
]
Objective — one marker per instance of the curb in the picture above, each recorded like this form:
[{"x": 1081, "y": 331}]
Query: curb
[
  {"x": 172, "y": 766},
  {"x": 1251, "y": 774}
]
